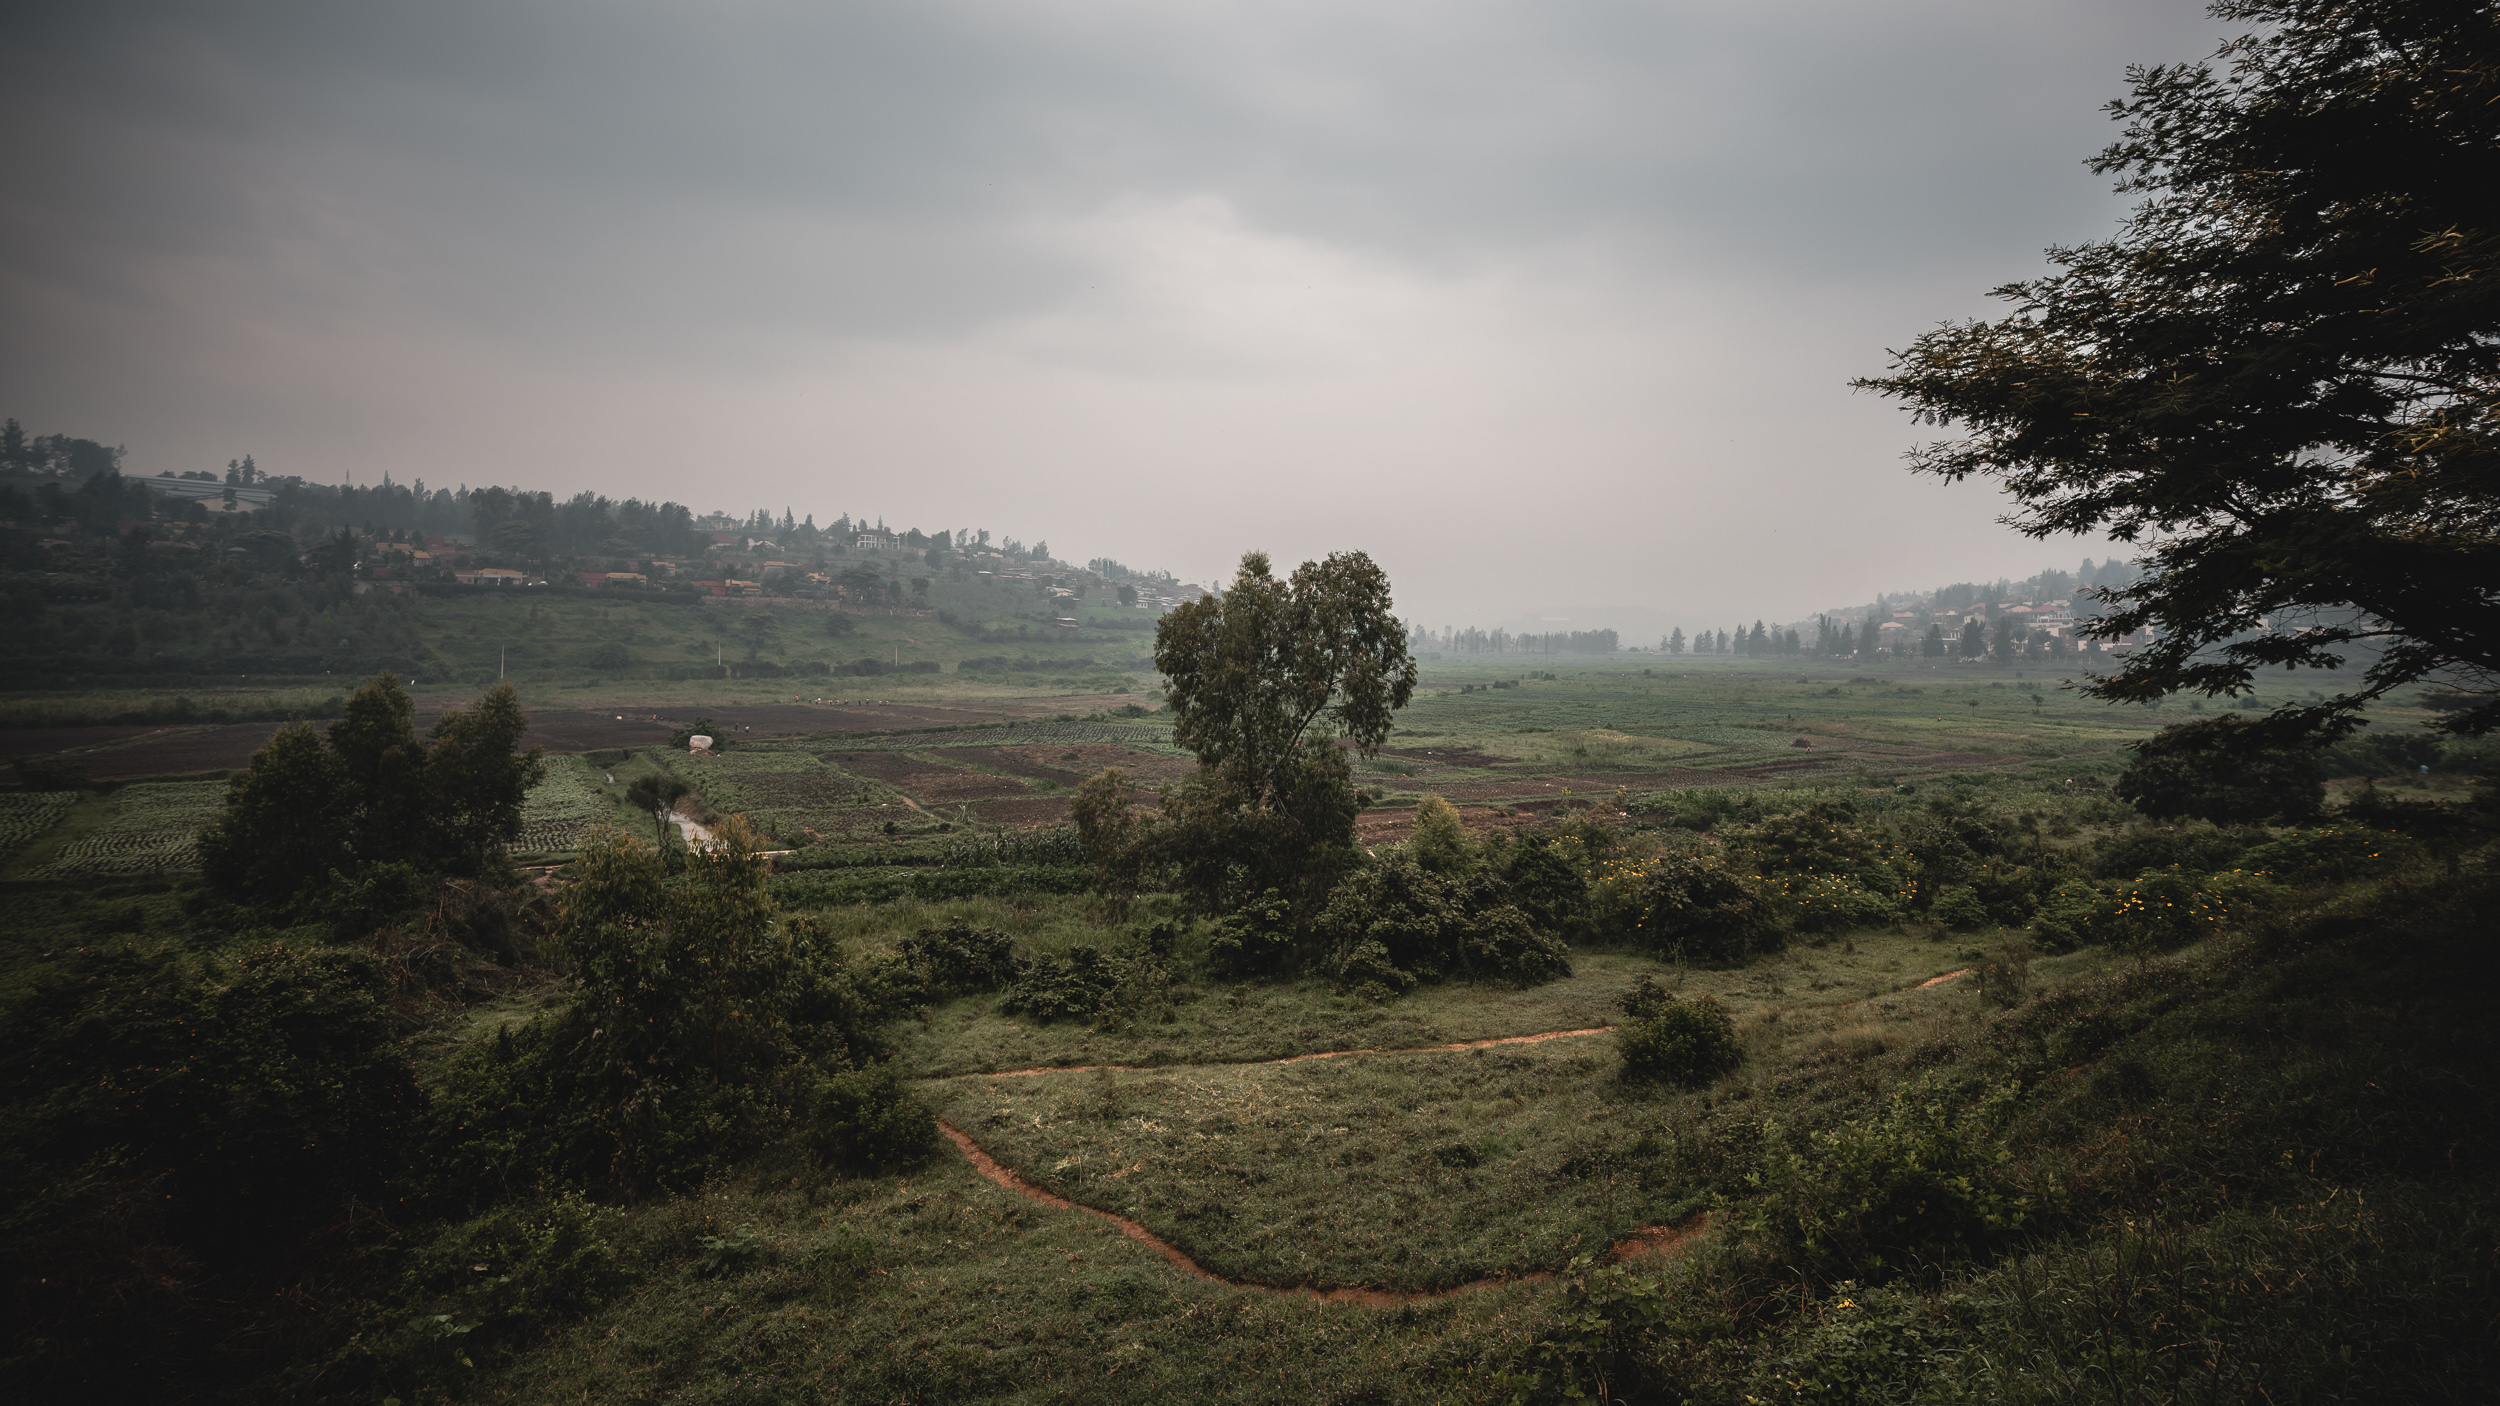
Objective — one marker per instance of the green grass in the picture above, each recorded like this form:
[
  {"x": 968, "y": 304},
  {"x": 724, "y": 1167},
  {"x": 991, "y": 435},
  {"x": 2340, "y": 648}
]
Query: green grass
[
  {"x": 1223, "y": 1024},
  {"x": 2247, "y": 1158},
  {"x": 1399, "y": 1171},
  {"x": 2229, "y": 1180}
]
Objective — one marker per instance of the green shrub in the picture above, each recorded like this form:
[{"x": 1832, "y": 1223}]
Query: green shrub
[
  {"x": 2327, "y": 854},
  {"x": 959, "y": 958},
  {"x": 865, "y": 1122},
  {"x": 1695, "y": 909},
  {"x": 2004, "y": 974},
  {"x": 2064, "y": 920},
  {"x": 168, "y": 1127},
  {"x": 1546, "y": 885},
  {"x": 1830, "y": 903},
  {"x": 1419, "y": 920},
  {"x": 2157, "y": 910},
  {"x": 1256, "y": 939},
  {"x": 1502, "y": 944},
  {"x": 1679, "y": 1042},
  {"x": 1959, "y": 908},
  {"x": 2189, "y": 846},
  {"x": 265, "y": 1087},
  {"x": 2216, "y": 769},
  {"x": 1817, "y": 840},
  {"x": 377, "y": 896},
  {"x": 1070, "y": 987},
  {"x": 484, "y": 1283},
  {"x": 1859, "y": 1343},
  {"x": 1365, "y": 970},
  {"x": 1921, "y": 1181},
  {"x": 702, "y": 1020},
  {"x": 1697, "y": 809}
]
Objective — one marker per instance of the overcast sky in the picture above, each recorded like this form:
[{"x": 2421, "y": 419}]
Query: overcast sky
[{"x": 1547, "y": 304}]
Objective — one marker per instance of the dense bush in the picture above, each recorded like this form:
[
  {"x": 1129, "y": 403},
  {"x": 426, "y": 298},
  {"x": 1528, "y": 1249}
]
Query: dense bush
[
  {"x": 1256, "y": 939},
  {"x": 2330, "y": 853},
  {"x": 703, "y": 1029},
  {"x": 2384, "y": 754},
  {"x": 1069, "y": 987},
  {"x": 1959, "y": 908},
  {"x": 1678, "y": 1042},
  {"x": 480, "y": 1287},
  {"x": 2156, "y": 911},
  {"x": 1830, "y": 903},
  {"x": 864, "y": 1122},
  {"x": 2189, "y": 846},
  {"x": 263, "y": 1087},
  {"x": 2218, "y": 769},
  {"x": 1820, "y": 839},
  {"x": 1920, "y": 1181},
  {"x": 1503, "y": 945},
  {"x": 834, "y": 886},
  {"x": 959, "y": 958},
  {"x": 1392, "y": 913},
  {"x": 1419, "y": 920},
  {"x": 1696, "y": 809},
  {"x": 1547, "y": 885},
  {"x": 1695, "y": 909},
  {"x": 1366, "y": 970},
  {"x": 166, "y": 1120}
]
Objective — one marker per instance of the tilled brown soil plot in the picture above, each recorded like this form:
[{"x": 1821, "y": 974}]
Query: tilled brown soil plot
[{"x": 113, "y": 753}]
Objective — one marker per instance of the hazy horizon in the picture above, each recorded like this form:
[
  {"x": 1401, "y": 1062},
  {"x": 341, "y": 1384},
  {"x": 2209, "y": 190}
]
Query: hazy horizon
[{"x": 1543, "y": 307}]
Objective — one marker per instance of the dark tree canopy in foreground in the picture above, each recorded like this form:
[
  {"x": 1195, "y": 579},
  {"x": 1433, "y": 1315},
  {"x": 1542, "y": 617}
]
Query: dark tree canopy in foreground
[{"x": 2280, "y": 378}]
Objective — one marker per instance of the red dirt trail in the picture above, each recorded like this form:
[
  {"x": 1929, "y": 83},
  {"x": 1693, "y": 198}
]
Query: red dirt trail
[
  {"x": 1645, "y": 1242},
  {"x": 1650, "y": 1240}
]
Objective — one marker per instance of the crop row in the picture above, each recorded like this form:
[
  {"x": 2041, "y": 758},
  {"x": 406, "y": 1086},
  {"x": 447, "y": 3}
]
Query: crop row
[
  {"x": 562, "y": 808},
  {"x": 153, "y": 828},
  {"x": 1016, "y": 735},
  {"x": 26, "y": 815},
  {"x": 792, "y": 797}
]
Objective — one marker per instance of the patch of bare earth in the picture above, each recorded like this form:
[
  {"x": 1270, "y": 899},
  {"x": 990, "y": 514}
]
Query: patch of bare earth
[
  {"x": 1023, "y": 814},
  {"x": 1074, "y": 765},
  {"x": 954, "y": 787}
]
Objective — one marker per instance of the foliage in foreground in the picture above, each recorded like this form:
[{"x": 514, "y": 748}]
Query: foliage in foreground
[
  {"x": 705, "y": 1025},
  {"x": 2280, "y": 371},
  {"x": 2260, "y": 1174},
  {"x": 171, "y": 1126}
]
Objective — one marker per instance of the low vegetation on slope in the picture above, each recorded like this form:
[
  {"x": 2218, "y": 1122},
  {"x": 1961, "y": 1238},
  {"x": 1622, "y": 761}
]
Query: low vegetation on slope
[{"x": 2195, "y": 1161}]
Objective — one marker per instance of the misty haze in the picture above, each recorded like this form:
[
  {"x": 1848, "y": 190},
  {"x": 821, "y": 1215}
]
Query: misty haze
[{"x": 1102, "y": 702}]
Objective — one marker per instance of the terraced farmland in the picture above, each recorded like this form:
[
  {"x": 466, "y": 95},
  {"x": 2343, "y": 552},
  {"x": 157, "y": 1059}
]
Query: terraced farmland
[
  {"x": 26, "y": 815},
  {"x": 152, "y": 830},
  {"x": 563, "y": 808}
]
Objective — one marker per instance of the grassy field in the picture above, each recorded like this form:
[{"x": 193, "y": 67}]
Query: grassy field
[
  {"x": 2243, "y": 1146},
  {"x": 1434, "y": 1169}
]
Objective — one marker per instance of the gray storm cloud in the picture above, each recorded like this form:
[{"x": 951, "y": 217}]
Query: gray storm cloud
[{"x": 1548, "y": 306}]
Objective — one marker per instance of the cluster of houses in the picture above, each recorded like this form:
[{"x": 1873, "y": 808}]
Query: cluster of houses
[
  {"x": 738, "y": 563},
  {"x": 2036, "y": 621}
]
